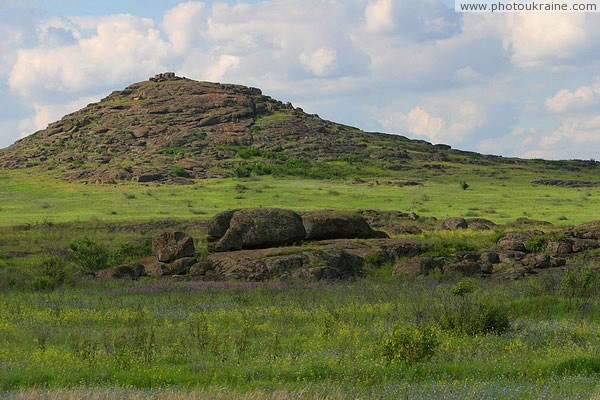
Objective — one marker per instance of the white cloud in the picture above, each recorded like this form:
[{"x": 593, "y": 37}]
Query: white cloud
[
  {"x": 218, "y": 70},
  {"x": 585, "y": 96},
  {"x": 438, "y": 122},
  {"x": 123, "y": 48},
  {"x": 184, "y": 25},
  {"x": 320, "y": 62},
  {"x": 378, "y": 15}
]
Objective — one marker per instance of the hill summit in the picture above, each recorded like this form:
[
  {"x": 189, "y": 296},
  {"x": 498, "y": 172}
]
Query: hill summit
[{"x": 172, "y": 129}]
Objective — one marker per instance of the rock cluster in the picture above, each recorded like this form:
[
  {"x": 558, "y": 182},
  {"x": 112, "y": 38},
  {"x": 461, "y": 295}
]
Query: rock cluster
[
  {"x": 174, "y": 254},
  {"x": 269, "y": 243}
]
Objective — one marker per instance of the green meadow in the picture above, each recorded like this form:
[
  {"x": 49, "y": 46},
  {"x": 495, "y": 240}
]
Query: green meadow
[
  {"x": 33, "y": 198},
  {"x": 375, "y": 337}
]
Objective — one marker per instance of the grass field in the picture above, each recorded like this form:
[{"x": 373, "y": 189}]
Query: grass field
[
  {"x": 35, "y": 199},
  {"x": 377, "y": 337},
  {"x": 298, "y": 340}
]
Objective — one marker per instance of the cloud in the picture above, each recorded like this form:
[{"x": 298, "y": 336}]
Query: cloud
[
  {"x": 218, "y": 70},
  {"x": 583, "y": 97},
  {"x": 122, "y": 48},
  {"x": 446, "y": 123},
  {"x": 184, "y": 25},
  {"x": 415, "y": 19}
]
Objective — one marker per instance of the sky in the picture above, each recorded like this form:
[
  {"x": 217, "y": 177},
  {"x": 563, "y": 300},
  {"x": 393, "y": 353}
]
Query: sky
[{"x": 525, "y": 85}]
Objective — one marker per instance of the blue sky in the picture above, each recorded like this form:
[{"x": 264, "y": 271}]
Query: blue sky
[{"x": 513, "y": 84}]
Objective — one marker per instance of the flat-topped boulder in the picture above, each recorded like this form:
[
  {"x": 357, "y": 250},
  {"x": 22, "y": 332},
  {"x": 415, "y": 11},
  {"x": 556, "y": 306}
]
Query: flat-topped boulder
[
  {"x": 328, "y": 260},
  {"x": 322, "y": 225},
  {"x": 252, "y": 228}
]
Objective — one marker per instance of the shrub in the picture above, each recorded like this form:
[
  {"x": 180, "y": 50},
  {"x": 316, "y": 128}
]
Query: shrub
[
  {"x": 537, "y": 244},
  {"x": 463, "y": 287},
  {"x": 177, "y": 170},
  {"x": 468, "y": 317},
  {"x": 410, "y": 344},
  {"x": 89, "y": 256},
  {"x": 464, "y": 185},
  {"x": 49, "y": 274},
  {"x": 581, "y": 283}
]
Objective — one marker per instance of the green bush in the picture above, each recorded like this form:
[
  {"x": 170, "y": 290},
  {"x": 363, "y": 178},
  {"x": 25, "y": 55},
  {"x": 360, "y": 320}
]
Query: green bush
[
  {"x": 177, "y": 170},
  {"x": 89, "y": 256},
  {"x": 471, "y": 318},
  {"x": 581, "y": 283},
  {"x": 50, "y": 273},
  {"x": 537, "y": 244},
  {"x": 410, "y": 344}
]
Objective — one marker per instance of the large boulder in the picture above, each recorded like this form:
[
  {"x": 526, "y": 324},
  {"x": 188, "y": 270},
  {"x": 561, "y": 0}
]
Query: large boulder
[
  {"x": 170, "y": 246},
  {"x": 132, "y": 271},
  {"x": 261, "y": 228},
  {"x": 259, "y": 265},
  {"x": 218, "y": 225},
  {"x": 323, "y": 225}
]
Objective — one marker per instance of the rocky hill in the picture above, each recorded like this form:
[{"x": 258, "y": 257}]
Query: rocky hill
[{"x": 171, "y": 129}]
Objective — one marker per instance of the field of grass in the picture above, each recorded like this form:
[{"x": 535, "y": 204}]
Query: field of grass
[
  {"x": 300, "y": 340},
  {"x": 375, "y": 337},
  {"x": 27, "y": 198}
]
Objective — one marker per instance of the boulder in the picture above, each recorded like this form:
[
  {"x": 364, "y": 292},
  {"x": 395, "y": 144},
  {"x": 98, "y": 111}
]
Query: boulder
[
  {"x": 454, "y": 224},
  {"x": 218, "y": 225},
  {"x": 539, "y": 261},
  {"x": 202, "y": 268},
  {"x": 584, "y": 244},
  {"x": 561, "y": 247},
  {"x": 260, "y": 228},
  {"x": 323, "y": 225},
  {"x": 132, "y": 271},
  {"x": 465, "y": 267},
  {"x": 556, "y": 262},
  {"x": 182, "y": 266},
  {"x": 517, "y": 240},
  {"x": 589, "y": 230},
  {"x": 480, "y": 224},
  {"x": 490, "y": 258},
  {"x": 153, "y": 267},
  {"x": 170, "y": 246},
  {"x": 258, "y": 265}
]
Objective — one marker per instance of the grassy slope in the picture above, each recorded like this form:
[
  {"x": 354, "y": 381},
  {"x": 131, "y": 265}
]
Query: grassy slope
[{"x": 32, "y": 198}]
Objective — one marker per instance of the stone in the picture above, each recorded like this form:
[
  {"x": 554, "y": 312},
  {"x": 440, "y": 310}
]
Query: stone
[
  {"x": 480, "y": 224},
  {"x": 465, "y": 267},
  {"x": 454, "y": 224},
  {"x": 517, "y": 240},
  {"x": 182, "y": 266},
  {"x": 202, "y": 268},
  {"x": 132, "y": 271},
  {"x": 539, "y": 261},
  {"x": 153, "y": 267},
  {"x": 260, "y": 228},
  {"x": 170, "y": 246},
  {"x": 218, "y": 225},
  {"x": 580, "y": 245},
  {"x": 323, "y": 225},
  {"x": 490, "y": 257},
  {"x": 561, "y": 247}
]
